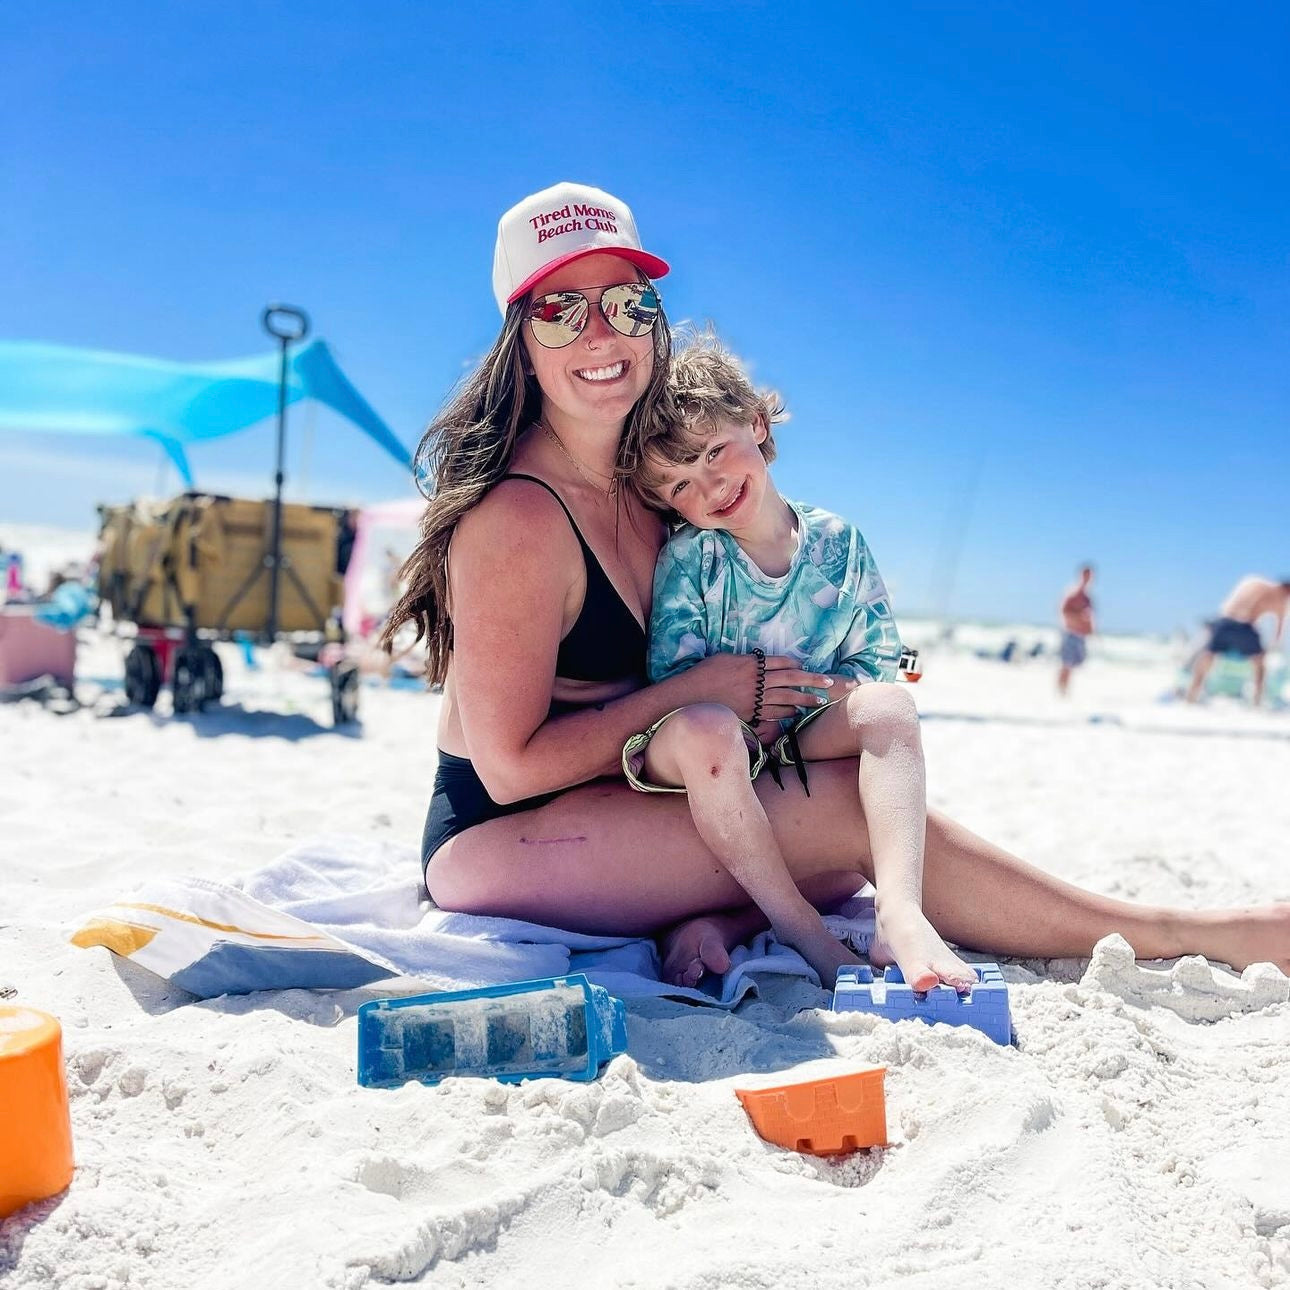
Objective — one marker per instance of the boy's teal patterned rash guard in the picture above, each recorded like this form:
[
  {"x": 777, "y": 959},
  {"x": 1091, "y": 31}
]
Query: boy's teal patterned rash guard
[{"x": 829, "y": 611}]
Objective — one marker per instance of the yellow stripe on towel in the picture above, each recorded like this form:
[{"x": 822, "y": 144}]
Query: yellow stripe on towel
[
  {"x": 222, "y": 927},
  {"x": 120, "y": 937}
]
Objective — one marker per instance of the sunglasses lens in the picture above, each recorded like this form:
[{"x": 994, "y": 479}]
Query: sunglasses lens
[
  {"x": 631, "y": 309},
  {"x": 557, "y": 320}
]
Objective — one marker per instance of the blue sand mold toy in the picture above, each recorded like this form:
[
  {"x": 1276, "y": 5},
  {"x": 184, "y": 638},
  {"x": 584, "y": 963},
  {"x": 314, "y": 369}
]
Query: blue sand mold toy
[
  {"x": 561, "y": 1026},
  {"x": 986, "y": 1008}
]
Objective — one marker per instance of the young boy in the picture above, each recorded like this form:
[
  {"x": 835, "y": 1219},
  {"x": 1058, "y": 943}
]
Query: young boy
[{"x": 748, "y": 572}]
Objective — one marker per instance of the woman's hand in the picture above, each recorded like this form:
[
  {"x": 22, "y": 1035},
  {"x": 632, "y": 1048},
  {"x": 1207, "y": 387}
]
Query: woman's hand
[
  {"x": 731, "y": 679},
  {"x": 784, "y": 679},
  {"x": 789, "y": 690}
]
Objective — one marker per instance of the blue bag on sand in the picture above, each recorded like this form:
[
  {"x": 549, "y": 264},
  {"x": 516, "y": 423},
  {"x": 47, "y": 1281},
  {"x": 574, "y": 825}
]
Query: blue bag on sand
[{"x": 561, "y": 1026}]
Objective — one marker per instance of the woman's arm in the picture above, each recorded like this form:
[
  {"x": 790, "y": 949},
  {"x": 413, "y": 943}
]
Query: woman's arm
[{"x": 515, "y": 575}]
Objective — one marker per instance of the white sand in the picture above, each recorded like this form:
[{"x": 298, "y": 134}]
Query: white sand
[{"x": 1135, "y": 1136}]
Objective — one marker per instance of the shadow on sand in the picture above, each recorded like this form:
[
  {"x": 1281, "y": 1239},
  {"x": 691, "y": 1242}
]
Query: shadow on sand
[{"x": 235, "y": 719}]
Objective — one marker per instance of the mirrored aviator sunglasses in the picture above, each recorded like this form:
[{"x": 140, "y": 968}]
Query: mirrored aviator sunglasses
[{"x": 558, "y": 319}]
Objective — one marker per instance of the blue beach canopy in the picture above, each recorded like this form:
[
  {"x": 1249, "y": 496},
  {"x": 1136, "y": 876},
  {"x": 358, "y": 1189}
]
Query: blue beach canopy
[{"x": 60, "y": 390}]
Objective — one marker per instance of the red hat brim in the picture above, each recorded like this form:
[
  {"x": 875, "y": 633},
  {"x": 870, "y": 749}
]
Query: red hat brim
[{"x": 651, "y": 265}]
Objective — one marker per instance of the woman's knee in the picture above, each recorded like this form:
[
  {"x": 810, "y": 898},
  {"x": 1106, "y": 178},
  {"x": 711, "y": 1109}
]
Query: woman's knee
[{"x": 458, "y": 887}]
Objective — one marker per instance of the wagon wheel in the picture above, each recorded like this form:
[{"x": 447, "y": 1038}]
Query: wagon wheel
[
  {"x": 142, "y": 676},
  {"x": 344, "y": 693},
  {"x": 188, "y": 686},
  {"x": 212, "y": 674}
]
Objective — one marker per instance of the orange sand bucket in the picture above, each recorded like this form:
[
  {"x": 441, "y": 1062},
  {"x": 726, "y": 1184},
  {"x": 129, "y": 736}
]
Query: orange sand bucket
[
  {"x": 822, "y": 1117},
  {"x": 35, "y": 1129}
]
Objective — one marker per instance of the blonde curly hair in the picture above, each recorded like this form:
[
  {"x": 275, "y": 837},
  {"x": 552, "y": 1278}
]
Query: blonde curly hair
[{"x": 707, "y": 385}]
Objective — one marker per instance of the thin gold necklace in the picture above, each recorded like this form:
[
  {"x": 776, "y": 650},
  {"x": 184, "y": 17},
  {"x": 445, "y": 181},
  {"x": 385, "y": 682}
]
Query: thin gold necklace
[{"x": 609, "y": 492}]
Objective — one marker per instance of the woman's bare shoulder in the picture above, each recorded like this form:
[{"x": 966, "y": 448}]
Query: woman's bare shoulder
[{"x": 517, "y": 521}]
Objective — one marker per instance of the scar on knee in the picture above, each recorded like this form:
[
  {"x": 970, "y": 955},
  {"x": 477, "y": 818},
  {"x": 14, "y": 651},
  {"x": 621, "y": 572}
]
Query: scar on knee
[
  {"x": 715, "y": 771},
  {"x": 550, "y": 842}
]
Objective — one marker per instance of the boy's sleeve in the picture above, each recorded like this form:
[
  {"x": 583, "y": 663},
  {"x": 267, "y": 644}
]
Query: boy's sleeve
[
  {"x": 870, "y": 651},
  {"x": 677, "y": 636}
]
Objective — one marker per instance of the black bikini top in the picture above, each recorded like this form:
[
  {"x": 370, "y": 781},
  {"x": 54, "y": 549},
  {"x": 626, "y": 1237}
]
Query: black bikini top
[{"x": 606, "y": 642}]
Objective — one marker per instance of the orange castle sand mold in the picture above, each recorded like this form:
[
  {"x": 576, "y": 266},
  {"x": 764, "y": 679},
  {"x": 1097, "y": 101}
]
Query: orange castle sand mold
[{"x": 822, "y": 1117}]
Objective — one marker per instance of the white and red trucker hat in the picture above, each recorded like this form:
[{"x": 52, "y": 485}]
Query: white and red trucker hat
[{"x": 558, "y": 225}]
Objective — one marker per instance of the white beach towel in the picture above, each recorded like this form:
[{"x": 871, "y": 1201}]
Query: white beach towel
[{"x": 343, "y": 912}]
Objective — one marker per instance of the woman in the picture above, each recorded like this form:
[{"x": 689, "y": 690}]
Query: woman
[{"x": 532, "y": 584}]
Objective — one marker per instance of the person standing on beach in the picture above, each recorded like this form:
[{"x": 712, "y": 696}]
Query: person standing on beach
[
  {"x": 1234, "y": 632},
  {"x": 1077, "y": 626}
]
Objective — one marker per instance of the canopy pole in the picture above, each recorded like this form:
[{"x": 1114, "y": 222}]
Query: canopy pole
[
  {"x": 162, "y": 467},
  {"x": 287, "y": 324}
]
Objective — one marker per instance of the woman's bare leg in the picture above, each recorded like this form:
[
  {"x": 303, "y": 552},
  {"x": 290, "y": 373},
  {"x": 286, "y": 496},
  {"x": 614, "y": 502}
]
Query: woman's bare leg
[
  {"x": 606, "y": 859},
  {"x": 978, "y": 895}
]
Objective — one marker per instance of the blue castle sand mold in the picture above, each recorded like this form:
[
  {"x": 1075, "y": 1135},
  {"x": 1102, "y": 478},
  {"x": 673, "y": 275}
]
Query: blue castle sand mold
[
  {"x": 986, "y": 1008},
  {"x": 561, "y": 1026}
]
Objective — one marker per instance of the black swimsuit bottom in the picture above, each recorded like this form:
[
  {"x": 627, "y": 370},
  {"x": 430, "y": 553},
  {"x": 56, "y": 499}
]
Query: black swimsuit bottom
[{"x": 460, "y": 801}]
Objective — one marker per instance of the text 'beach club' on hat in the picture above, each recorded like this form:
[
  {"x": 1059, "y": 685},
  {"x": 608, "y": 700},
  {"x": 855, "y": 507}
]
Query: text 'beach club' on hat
[{"x": 557, "y": 226}]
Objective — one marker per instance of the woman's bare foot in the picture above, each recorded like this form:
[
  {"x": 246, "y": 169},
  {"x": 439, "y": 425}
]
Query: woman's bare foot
[
  {"x": 1239, "y": 937},
  {"x": 909, "y": 941},
  {"x": 703, "y": 944},
  {"x": 697, "y": 946}
]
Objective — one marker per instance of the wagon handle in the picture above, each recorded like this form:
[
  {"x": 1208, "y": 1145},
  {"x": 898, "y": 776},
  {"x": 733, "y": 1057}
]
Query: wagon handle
[{"x": 286, "y": 322}]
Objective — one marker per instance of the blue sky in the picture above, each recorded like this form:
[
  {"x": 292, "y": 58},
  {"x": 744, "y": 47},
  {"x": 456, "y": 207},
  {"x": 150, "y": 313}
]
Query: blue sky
[{"x": 1021, "y": 271}]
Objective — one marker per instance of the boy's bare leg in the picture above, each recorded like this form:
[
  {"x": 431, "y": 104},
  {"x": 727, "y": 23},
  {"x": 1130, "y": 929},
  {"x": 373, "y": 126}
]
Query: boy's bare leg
[
  {"x": 881, "y": 723},
  {"x": 702, "y": 749},
  {"x": 1260, "y": 672}
]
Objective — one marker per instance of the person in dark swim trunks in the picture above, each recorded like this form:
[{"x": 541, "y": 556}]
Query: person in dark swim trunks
[
  {"x": 532, "y": 595},
  {"x": 1234, "y": 632},
  {"x": 1230, "y": 636}
]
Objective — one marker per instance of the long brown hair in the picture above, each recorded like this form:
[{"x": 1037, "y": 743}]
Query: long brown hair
[{"x": 467, "y": 448}]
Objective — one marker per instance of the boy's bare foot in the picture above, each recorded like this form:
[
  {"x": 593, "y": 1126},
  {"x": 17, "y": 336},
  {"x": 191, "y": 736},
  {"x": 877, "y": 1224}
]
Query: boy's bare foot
[
  {"x": 909, "y": 941},
  {"x": 694, "y": 947},
  {"x": 822, "y": 950}
]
